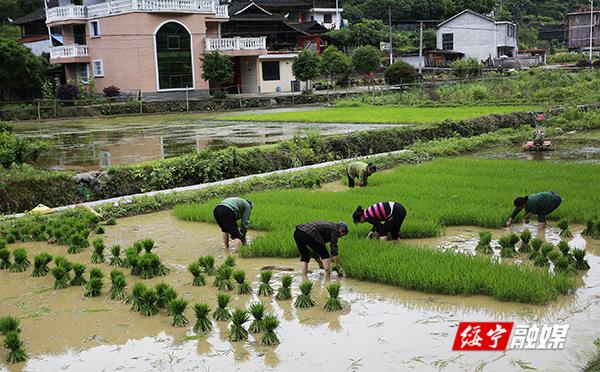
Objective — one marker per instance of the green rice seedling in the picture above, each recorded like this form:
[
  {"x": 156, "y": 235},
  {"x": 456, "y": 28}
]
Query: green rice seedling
[
  {"x": 78, "y": 242},
  {"x": 111, "y": 222},
  {"x": 506, "y": 246},
  {"x": 580, "y": 261},
  {"x": 533, "y": 255},
  {"x": 2, "y": 243},
  {"x": 196, "y": 271},
  {"x": 240, "y": 277},
  {"x": 257, "y": 310},
  {"x": 264, "y": 288},
  {"x": 514, "y": 239},
  {"x": 562, "y": 264},
  {"x": 118, "y": 285},
  {"x": 131, "y": 260},
  {"x": 64, "y": 262},
  {"x": 304, "y": 300},
  {"x": 165, "y": 294},
  {"x": 270, "y": 324},
  {"x": 116, "y": 260},
  {"x": 564, "y": 248},
  {"x": 93, "y": 288},
  {"x": 221, "y": 312},
  {"x": 177, "y": 308},
  {"x": 536, "y": 244},
  {"x": 208, "y": 263},
  {"x": 541, "y": 261},
  {"x": 229, "y": 261},
  {"x": 333, "y": 303},
  {"x": 589, "y": 228},
  {"x": 203, "y": 323},
  {"x": 135, "y": 298},
  {"x": 149, "y": 266},
  {"x": 565, "y": 231},
  {"x": 148, "y": 244},
  {"x": 552, "y": 256},
  {"x": 237, "y": 332},
  {"x": 98, "y": 253},
  {"x": 21, "y": 262},
  {"x": 11, "y": 238},
  {"x": 546, "y": 249},
  {"x": 96, "y": 273},
  {"x": 139, "y": 246},
  {"x": 148, "y": 302},
  {"x": 223, "y": 278},
  {"x": 284, "y": 292},
  {"x": 5, "y": 259},
  {"x": 169, "y": 295},
  {"x": 78, "y": 271},
  {"x": 525, "y": 240},
  {"x": 17, "y": 353},
  {"x": 483, "y": 246},
  {"x": 99, "y": 230},
  {"x": 9, "y": 324},
  {"x": 158, "y": 268},
  {"x": 40, "y": 264}
]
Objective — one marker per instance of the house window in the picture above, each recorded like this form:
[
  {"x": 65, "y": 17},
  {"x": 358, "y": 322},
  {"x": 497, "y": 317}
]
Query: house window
[
  {"x": 173, "y": 42},
  {"x": 510, "y": 30},
  {"x": 98, "y": 68},
  {"x": 448, "y": 41},
  {"x": 270, "y": 71},
  {"x": 79, "y": 34},
  {"x": 83, "y": 74},
  {"x": 174, "y": 57},
  {"x": 327, "y": 18},
  {"x": 94, "y": 28}
]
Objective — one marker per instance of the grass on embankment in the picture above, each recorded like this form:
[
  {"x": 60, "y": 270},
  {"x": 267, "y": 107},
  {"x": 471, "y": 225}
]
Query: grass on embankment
[{"x": 381, "y": 114}]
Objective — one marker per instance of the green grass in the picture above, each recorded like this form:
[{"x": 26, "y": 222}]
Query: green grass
[{"x": 381, "y": 114}]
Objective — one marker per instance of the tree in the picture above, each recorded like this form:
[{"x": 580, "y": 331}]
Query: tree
[
  {"x": 21, "y": 72},
  {"x": 400, "y": 73},
  {"x": 17, "y": 150},
  {"x": 342, "y": 37},
  {"x": 306, "y": 67},
  {"x": 366, "y": 59},
  {"x": 368, "y": 32},
  {"x": 218, "y": 69},
  {"x": 334, "y": 62}
]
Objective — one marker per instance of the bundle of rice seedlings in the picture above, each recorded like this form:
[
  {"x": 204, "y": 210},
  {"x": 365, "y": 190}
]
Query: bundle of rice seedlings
[
  {"x": 222, "y": 313},
  {"x": 514, "y": 239},
  {"x": 223, "y": 278},
  {"x": 148, "y": 302},
  {"x": 12, "y": 342},
  {"x": 11, "y": 238},
  {"x": 177, "y": 308},
  {"x": 135, "y": 298},
  {"x": 78, "y": 243},
  {"x": 564, "y": 248},
  {"x": 9, "y": 324},
  {"x": 240, "y": 277},
  {"x": 61, "y": 277},
  {"x": 541, "y": 261},
  {"x": 62, "y": 261},
  {"x": 111, "y": 222},
  {"x": 264, "y": 289},
  {"x": 229, "y": 261},
  {"x": 196, "y": 271},
  {"x": 116, "y": 260},
  {"x": 552, "y": 256},
  {"x": 165, "y": 294},
  {"x": 21, "y": 261},
  {"x": 333, "y": 303},
  {"x": 304, "y": 300},
  {"x": 536, "y": 244},
  {"x": 208, "y": 264},
  {"x": 5, "y": 259},
  {"x": 237, "y": 332},
  {"x": 284, "y": 292},
  {"x": 96, "y": 273},
  {"x": 506, "y": 246},
  {"x": 98, "y": 253},
  {"x": 148, "y": 244},
  {"x": 589, "y": 228},
  {"x": 132, "y": 260},
  {"x": 485, "y": 238},
  {"x": 565, "y": 231},
  {"x": 258, "y": 311},
  {"x": 99, "y": 230},
  {"x": 2, "y": 243},
  {"x": 118, "y": 285},
  {"x": 580, "y": 261},
  {"x": 269, "y": 338},
  {"x": 79, "y": 271},
  {"x": 93, "y": 288},
  {"x": 139, "y": 246},
  {"x": 562, "y": 264},
  {"x": 546, "y": 249},
  {"x": 151, "y": 266},
  {"x": 525, "y": 240},
  {"x": 203, "y": 323},
  {"x": 533, "y": 255},
  {"x": 40, "y": 264}
]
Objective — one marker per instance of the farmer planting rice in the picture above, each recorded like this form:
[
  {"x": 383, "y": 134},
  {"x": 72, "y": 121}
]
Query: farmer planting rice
[
  {"x": 360, "y": 170},
  {"x": 314, "y": 236},
  {"x": 386, "y": 218},
  {"x": 541, "y": 203},
  {"x": 227, "y": 213}
]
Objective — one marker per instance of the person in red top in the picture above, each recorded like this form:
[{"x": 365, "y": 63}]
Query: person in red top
[{"x": 386, "y": 218}]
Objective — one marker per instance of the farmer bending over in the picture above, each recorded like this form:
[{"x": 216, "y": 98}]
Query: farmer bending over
[
  {"x": 386, "y": 217},
  {"x": 541, "y": 203},
  {"x": 227, "y": 213},
  {"x": 313, "y": 236},
  {"x": 360, "y": 170}
]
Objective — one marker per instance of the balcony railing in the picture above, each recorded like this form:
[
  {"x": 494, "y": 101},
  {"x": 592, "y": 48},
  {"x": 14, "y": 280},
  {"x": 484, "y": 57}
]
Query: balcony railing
[
  {"x": 69, "y": 51},
  {"x": 107, "y": 8},
  {"x": 236, "y": 43}
]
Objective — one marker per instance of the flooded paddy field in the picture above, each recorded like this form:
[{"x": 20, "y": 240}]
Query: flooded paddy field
[{"x": 381, "y": 327}]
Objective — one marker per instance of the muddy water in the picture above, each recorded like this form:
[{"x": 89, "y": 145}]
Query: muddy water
[
  {"x": 381, "y": 327},
  {"x": 562, "y": 152}
]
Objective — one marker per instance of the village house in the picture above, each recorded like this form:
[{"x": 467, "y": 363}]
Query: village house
[{"x": 578, "y": 24}]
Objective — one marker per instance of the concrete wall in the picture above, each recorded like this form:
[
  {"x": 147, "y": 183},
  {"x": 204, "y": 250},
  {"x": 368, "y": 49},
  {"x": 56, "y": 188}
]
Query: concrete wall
[
  {"x": 249, "y": 76},
  {"x": 318, "y": 16},
  {"x": 285, "y": 74},
  {"x": 474, "y": 36}
]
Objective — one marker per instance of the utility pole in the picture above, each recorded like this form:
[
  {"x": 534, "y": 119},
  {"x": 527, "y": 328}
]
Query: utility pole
[
  {"x": 591, "y": 29},
  {"x": 420, "y": 47},
  {"x": 390, "y": 24}
]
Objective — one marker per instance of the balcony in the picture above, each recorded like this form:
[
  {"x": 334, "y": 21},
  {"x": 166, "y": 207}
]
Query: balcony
[
  {"x": 236, "y": 44},
  {"x": 66, "y": 13},
  {"x": 69, "y": 54}
]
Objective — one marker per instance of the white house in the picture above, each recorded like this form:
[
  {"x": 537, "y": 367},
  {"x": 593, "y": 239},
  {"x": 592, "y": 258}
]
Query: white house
[{"x": 477, "y": 36}]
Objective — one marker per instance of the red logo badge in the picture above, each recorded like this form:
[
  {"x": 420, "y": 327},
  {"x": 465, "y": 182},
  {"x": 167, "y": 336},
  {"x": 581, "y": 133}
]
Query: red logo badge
[{"x": 482, "y": 336}]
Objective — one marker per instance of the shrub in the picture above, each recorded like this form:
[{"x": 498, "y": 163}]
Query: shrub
[
  {"x": 111, "y": 91},
  {"x": 400, "y": 72},
  {"x": 366, "y": 59},
  {"x": 67, "y": 92},
  {"x": 469, "y": 67}
]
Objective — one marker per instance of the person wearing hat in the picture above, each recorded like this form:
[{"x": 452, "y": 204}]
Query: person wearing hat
[
  {"x": 386, "y": 218},
  {"x": 313, "y": 236},
  {"x": 360, "y": 170},
  {"x": 227, "y": 213}
]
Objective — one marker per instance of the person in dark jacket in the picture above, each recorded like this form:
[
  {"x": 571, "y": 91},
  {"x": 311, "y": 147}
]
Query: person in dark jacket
[
  {"x": 313, "y": 236},
  {"x": 541, "y": 203},
  {"x": 227, "y": 213},
  {"x": 386, "y": 218}
]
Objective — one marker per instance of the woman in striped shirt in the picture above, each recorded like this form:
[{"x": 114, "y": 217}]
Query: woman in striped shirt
[{"x": 386, "y": 218}]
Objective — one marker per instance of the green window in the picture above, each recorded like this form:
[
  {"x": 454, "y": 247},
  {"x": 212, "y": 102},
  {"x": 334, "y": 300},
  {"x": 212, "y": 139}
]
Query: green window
[{"x": 174, "y": 57}]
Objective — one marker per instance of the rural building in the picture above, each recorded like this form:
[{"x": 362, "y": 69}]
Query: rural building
[
  {"x": 553, "y": 32},
  {"x": 34, "y": 33},
  {"x": 477, "y": 36},
  {"x": 578, "y": 23}
]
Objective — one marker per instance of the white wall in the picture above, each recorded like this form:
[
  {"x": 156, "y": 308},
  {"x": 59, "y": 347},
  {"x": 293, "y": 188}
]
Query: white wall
[
  {"x": 474, "y": 36},
  {"x": 39, "y": 47},
  {"x": 502, "y": 38},
  {"x": 285, "y": 74},
  {"x": 318, "y": 16},
  {"x": 412, "y": 60}
]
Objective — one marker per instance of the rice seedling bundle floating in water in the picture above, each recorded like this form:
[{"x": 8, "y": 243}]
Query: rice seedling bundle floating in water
[
  {"x": 264, "y": 288},
  {"x": 96, "y": 273},
  {"x": 485, "y": 238},
  {"x": 9, "y": 324},
  {"x": 98, "y": 253},
  {"x": 196, "y": 271},
  {"x": 149, "y": 265},
  {"x": 135, "y": 298},
  {"x": 565, "y": 231},
  {"x": 525, "y": 241},
  {"x": 2, "y": 243},
  {"x": 177, "y": 308},
  {"x": 333, "y": 303},
  {"x": 165, "y": 294},
  {"x": 284, "y": 292},
  {"x": 93, "y": 288},
  {"x": 116, "y": 260},
  {"x": 203, "y": 323},
  {"x": 221, "y": 312},
  {"x": 237, "y": 332},
  {"x": 506, "y": 246},
  {"x": 139, "y": 246},
  {"x": 148, "y": 302},
  {"x": 552, "y": 256},
  {"x": 61, "y": 277},
  {"x": 131, "y": 260},
  {"x": 269, "y": 337},
  {"x": 240, "y": 277},
  {"x": 208, "y": 264},
  {"x": 118, "y": 285},
  {"x": 99, "y": 230},
  {"x": 258, "y": 311},
  {"x": 541, "y": 261},
  {"x": 536, "y": 244},
  {"x": 229, "y": 261},
  {"x": 580, "y": 261},
  {"x": 5, "y": 259},
  {"x": 148, "y": 244},
  {"x": 16, "y": 352},
  {"x": 514, "y": 239},
  {"x": 562, "y": 264},
  {"x": 40, "y": 264},
  {"x": 589, "y": 228},
  {"x": 78, "y": 243},
  {"x": 21, "y": 262},
  {"x": 223, "y": 278},
  {"x": 563, "y": 247},
  {"x": 78, "y": 271},
  {"x": 546, "y": 249},
  {"x": 304, "y": 300},
  {"x": 111, "y": 222}
]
